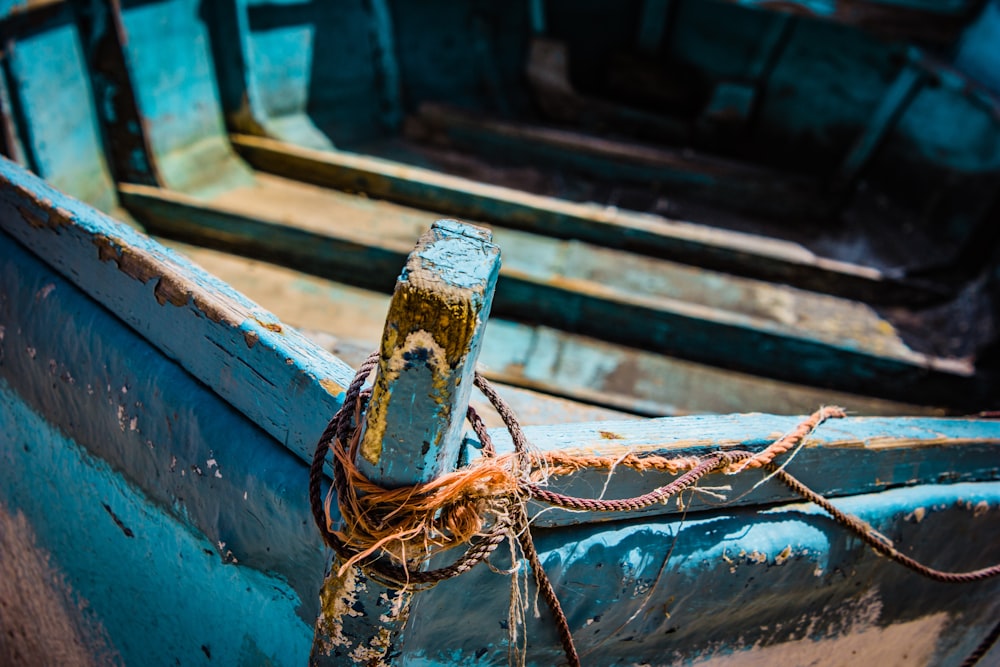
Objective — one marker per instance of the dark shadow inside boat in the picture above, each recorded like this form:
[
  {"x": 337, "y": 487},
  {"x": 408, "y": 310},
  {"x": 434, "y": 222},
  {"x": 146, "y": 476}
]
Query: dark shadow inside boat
[{"x": 588, "y": 112}]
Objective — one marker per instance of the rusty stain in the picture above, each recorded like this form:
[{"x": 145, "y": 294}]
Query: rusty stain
[
  {"x": 270, "y": 326},
  {"x": 172, "y": 286},
  {"x": 166, "y": 291},
  {"x": 106, "y": 251},
  {"x": 218, "y": 312},
  {"x": 251, "y": 338},
  {"x": 611, "y": 435},
  {"x": 785, "y": 554}
]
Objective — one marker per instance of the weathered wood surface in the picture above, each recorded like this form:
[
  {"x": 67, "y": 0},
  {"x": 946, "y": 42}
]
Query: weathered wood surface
[
  {"x": 783, "y": 552},
  {"x": 415, "y": 420},
  {"x": 725, "y": 183},
  {"x": 702, "y": 316},
  {"x": 736, "y": 586},
  {"x": 348, "y": 321},
  {"x": 768, "y": 258},
  {"x": 842, "y": 457},
  {"x": 280, "y": 380},
  {"x": 154, "y": 497},
  {"x": 433, "y": 334}
]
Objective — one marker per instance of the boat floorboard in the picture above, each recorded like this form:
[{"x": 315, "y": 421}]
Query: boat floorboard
[
  {"x": 348, "y": 321},
  {"x": 704, "y": 316}
]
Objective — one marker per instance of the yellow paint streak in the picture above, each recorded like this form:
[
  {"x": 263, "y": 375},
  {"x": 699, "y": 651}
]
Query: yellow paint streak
[
  {"x": 332, "y": 388},
  {"x": 425, "y": 313},
  {"x": 337, "y": 599}
]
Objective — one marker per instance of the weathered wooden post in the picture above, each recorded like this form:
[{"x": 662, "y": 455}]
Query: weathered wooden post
[{"x": 414, "y": 423}]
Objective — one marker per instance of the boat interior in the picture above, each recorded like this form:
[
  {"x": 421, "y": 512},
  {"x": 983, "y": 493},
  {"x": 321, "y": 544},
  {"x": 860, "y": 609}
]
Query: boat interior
[{"x": 703, "y": 205}]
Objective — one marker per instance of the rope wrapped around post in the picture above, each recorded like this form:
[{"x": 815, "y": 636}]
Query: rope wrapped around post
[{"x": 387, "y": 532}]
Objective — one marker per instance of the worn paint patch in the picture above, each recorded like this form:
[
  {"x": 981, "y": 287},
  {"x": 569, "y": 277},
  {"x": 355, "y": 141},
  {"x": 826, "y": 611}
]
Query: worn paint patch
[
  {"x": 332, "y": 387},
  {"x": 419, "y": 347},
  {"x": 346, "y": 603},
  {"x": 906, "y": 644}
]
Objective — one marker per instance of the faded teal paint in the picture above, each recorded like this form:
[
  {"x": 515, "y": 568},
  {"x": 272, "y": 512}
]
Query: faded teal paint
[
  {"x": 843, "y": 457},
  {"x": 416, "y": 417},
  {"x": 48, "y": 76},
  {"x": 160, "y": 590},
  {"x": 635, "y": 589},
  {"x": 432, "y": 339},
  {"x": 209, "y": 330},
  {"x": 289, "y": 89},
  {"x": 660, "y": 307},
  {"x": 607, "y": 226},
  {"x": 173, "y": 77},
  {"x": 184, "y": 448}
]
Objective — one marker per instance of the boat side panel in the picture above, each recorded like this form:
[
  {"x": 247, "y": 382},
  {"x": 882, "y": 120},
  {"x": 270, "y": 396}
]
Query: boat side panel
[
  {"x": 272, "y": 374},
  {"x": 842, "y": 457},
  {"x": 325, "y": 62},
  {"x": 171, "y": 71},
  {"x": 47, "y": 78},
  {"x": 162, "y": 593},
  {"x": 159, "y": 429},
  {"x": 737, "y": 587}
]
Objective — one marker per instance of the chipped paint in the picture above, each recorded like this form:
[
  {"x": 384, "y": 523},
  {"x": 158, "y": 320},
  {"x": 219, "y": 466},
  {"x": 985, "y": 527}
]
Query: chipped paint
[
  {"x": 332, "y": 387},
  {"x": 429, "y": 347},
  {"x": 785, "y": 554},
  {"x": 980, "y": 509},
  {"x": 419, "y": 347}
]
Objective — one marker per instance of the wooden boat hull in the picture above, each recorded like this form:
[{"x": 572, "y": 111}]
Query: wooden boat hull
[
  {"x": 158, "y": 425},
  {"x": 158, "y": 499}
]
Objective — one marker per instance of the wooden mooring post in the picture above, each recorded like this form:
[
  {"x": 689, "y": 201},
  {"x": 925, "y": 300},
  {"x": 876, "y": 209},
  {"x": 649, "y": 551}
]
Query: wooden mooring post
[{"x": 414, "y": 423}]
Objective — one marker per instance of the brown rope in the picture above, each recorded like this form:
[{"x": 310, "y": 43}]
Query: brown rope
[
  {"x": 791, "y": 440},
  {"x": 983, "y": 648},
  {"x": 878, "y": 542},
  {"x": 389, "y": 533}
]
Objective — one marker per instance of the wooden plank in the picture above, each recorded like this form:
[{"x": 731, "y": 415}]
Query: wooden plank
[
  {"x": 156, "y": 497},
  {"x": 416, "y": 416},
  {"x": 745, "y": 254},
  {"x": 726, "y": 184},
  {"x": 280, "y": 380},
  {"x": 348, "y": 321},
  {"x": 842, "y": 457},
  {"x": 745, "y": 325},
  {"x": 433, "y": 334}
]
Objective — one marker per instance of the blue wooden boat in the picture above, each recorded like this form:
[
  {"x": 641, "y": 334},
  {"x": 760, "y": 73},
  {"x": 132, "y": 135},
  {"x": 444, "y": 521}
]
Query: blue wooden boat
[{"x": 714, "y": 217}]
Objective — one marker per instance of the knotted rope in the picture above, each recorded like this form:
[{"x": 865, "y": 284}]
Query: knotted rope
[{"x": 391, "y": 533}]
